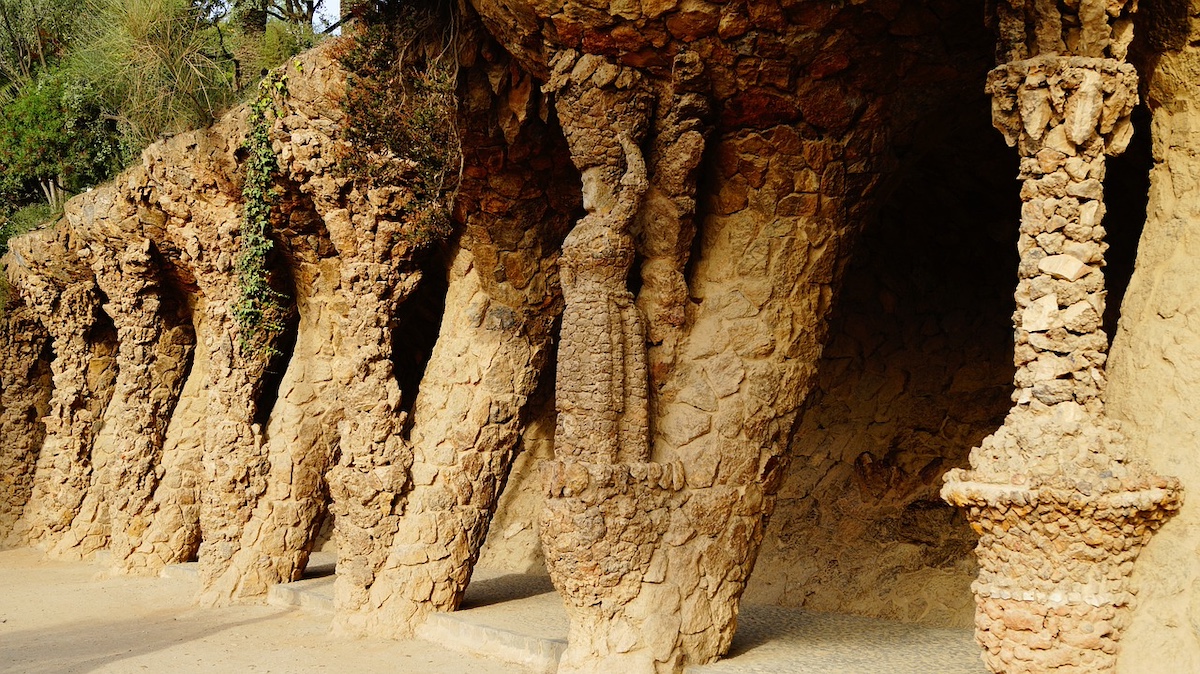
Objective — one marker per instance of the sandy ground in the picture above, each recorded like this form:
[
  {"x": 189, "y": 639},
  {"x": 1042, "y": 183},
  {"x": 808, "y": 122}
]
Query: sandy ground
[{"x": 58, "y": 617}]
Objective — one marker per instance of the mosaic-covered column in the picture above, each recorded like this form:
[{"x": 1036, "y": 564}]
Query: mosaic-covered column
[{"x": 1061, "y": 510}]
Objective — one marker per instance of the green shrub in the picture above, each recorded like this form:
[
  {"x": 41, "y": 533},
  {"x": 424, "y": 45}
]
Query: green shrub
[
  {"x": 54, "y": 139},
  {"x": 161, "y": 66},
  {"x": 401, "y": 103},
  {"x": 26, "y": 220}
]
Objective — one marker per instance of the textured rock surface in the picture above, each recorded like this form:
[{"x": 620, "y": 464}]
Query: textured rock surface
[
  {"x": 917, "y": 370},
  {"x": 67, "y": 510},
  {"x": 493, "y": 344},
  {"x": 656, "y": 209},
  {"x": 154, "y": 341},
  {"x": 1152, "y": 372},
  {"x": 190, "y": 180},
  {"x": 24, "y": 400}
]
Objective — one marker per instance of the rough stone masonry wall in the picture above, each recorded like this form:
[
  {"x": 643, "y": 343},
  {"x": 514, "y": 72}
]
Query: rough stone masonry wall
[
  {"x": 66, "y": 512},
  {"x": 516, "y": 199},
  {"x": 24, "y": 400},
  {"x": 301, "y": 431},
  {"x": 248, "y": 469},
  {"x": 1154, "y": 369},
  {"x": 917, "y": 370},
  {"x": 687, "y": 350},
  {"x": 189, "y": 179},
  {"x": 172, "y": 533},
  {"x": 793, "y": 161},
  {"x": 154, "y": 343}
]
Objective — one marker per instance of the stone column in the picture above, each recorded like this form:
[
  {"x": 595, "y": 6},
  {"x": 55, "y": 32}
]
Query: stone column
[
  {"x": 368, "y": 482},
  {"x": 300, "y": 437},
  {"x": 154, "y": 344},
  {"x": 24, "y": 397},
  {"x": 172, "y": 534},
  {"x": 235, "y": 463},
  {"x": 606, "y": 506},
  {"x": 82, "y": 386},
  {"x": 1062, "y": 511},
  {"x": 493, "y": 344},
  {"x": 184, "y": 178}
]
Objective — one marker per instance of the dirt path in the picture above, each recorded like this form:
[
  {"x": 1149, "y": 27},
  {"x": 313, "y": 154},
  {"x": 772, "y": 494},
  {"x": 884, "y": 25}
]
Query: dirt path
[{"x": 60, "y": 617}]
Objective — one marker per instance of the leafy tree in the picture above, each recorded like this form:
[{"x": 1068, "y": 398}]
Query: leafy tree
[
  {"x": 53, "y": 139},
  {"x": 86, "y": 84},
  {"x": 34, "y": 34}
]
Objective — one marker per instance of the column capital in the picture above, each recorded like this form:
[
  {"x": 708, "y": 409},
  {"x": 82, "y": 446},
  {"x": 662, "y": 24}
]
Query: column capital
[
  {"x": 1074, "y": 104},
  {"x": 1093, "y": 28}
]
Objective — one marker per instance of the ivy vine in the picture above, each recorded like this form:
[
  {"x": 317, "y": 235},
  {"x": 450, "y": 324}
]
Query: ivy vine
[{"x": 260, "y": 309}]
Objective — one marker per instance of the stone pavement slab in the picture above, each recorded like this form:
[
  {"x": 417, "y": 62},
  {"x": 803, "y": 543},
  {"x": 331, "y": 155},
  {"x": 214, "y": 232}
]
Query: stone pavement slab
[{"x": 519, "y": 619}]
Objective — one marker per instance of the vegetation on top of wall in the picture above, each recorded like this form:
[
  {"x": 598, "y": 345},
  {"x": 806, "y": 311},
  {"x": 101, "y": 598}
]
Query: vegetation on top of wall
[
  {"x": 85, "y": 85},
  {"x": 159, "y": 65},
  {"x": 25, "y": 220},
  {"x": 260, "y": 309},
  {"x": 54, "y": 141},
  {"x": 401, "y": 103}
]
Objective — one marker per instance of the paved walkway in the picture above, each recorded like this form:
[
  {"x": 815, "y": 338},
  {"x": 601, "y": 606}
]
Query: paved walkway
[
  {"x": 59, "y": 617},
  {"x": 520, "y": 619},
  {"x": 70, "y": 618}
]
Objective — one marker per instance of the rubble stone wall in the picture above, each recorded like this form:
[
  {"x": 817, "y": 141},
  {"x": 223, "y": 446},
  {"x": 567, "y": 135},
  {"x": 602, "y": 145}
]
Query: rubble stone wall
[
  {"x": 917, "y": 370},
  {"x": 24, "y": 400}
]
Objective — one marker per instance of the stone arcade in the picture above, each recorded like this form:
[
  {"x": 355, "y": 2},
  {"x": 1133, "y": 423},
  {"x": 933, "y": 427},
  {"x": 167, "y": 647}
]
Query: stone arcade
[{"x": 725, "y": 307}]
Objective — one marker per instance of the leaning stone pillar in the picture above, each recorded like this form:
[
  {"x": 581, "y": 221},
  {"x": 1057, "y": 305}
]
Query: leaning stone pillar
[
  {"x": 300, "y": 437},
  {"x": 24, "y": 397},
  {"x": 371, "y": 476},
  {"x": 152, "y": 353},
  {"x": 1061, "y": 510},
  {"x": 82, "y": 387},
  {"x": 172, "y": 534},
  {"x": 492, "y": 347}
]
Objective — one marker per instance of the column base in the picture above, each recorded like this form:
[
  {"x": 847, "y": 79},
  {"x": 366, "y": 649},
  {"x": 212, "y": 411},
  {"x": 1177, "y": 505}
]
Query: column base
[
  {"x": 1053, "y": 593},
  {"x": 602, "y": 527}
]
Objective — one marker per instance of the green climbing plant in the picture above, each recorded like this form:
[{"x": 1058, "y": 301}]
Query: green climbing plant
[{"x": 260, "y": 309}]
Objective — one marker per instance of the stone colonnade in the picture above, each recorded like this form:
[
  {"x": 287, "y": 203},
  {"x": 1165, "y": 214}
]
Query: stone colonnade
[
  {"x": 1061, "y": 510},
  {"x": 675, "y": 399},
  {"x": 682, "y": 501}
]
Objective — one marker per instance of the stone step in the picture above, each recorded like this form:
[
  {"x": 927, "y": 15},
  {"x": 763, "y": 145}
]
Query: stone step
[
  {"x": 458, "y": 632},
  {"x": 311, "y": 594},
  {"x": 186, "y": 571},
  {"x": 515, "y": 618}
]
